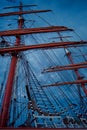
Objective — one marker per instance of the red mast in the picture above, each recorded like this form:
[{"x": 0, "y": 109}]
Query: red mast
[
  {"x": 9, "y": 84},
  {"x": 8, "y": 90},
  {"x": 76, "y": 71}
]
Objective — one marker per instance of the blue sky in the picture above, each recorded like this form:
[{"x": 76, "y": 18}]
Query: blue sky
[{"x": 71, "y": 13}]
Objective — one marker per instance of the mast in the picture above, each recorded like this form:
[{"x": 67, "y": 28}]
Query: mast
[
  {"x": 20, "y": 31},
  {"x": 73, "y": 67},
  {"x": 10, "y": 80},
  {"x": 76, "y": 71}
]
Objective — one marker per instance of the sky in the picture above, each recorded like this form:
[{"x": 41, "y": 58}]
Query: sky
[{"x": 71, "y": 13}]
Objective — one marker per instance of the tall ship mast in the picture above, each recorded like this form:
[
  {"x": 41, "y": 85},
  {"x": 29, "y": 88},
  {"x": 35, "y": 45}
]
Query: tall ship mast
[{"x": 43, "y": 68}]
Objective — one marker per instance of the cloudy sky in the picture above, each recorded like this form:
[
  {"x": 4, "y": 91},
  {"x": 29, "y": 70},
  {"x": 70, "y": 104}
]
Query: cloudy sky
[{"x": 71, "y": 13}]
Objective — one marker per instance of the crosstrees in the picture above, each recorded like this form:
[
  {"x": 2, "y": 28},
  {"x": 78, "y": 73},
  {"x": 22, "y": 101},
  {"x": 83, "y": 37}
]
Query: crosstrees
[
  {"x": 23, "y": 12},
  {"x": 34, "y": 30},
  {"x": 66, "y": 67},
  {"x": 9, "y": 7},
  {"x": 66, "y": 83},
  {"x": 16, "y": 49}
]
